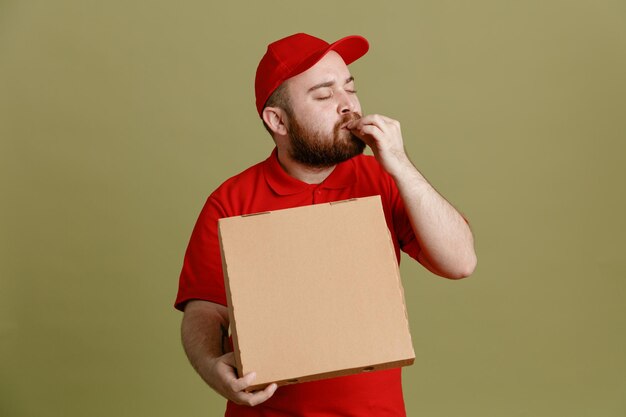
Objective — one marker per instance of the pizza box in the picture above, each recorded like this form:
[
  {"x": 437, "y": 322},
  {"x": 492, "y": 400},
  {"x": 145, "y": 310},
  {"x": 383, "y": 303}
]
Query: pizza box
[{"x": 314, "y": 292}]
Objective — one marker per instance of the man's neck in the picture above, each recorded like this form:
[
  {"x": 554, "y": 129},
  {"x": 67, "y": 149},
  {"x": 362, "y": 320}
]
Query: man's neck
[{"x": 302, "y": 172}]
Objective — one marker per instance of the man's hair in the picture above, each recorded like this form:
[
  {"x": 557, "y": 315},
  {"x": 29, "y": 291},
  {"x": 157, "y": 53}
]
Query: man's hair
[{"x": 279, "y": 98}]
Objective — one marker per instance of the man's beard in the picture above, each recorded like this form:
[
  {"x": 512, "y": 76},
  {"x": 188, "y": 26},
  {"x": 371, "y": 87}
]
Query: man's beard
[{"x": 316, "y": 150}]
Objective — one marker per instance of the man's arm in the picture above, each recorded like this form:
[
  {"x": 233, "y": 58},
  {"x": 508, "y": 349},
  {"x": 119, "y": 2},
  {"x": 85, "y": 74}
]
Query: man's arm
[
  {"x": 203, "y": 331},
  {"x": 444, "y": 236}
]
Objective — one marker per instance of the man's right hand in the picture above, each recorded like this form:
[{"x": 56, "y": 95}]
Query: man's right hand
[
  {"x": 221, "y": 376},
  {"x": 202, "y": 329}
]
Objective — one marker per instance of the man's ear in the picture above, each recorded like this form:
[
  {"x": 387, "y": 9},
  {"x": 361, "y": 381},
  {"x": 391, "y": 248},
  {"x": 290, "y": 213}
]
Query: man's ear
[{"x": 274, "y": 118}]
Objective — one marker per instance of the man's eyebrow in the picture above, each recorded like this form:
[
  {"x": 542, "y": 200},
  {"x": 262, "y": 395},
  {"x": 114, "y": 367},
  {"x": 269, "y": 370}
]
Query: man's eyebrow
[{"x": 328, "y": 84}]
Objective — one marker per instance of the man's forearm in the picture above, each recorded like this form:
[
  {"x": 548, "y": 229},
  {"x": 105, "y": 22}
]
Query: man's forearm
[
  {"x": 445, "y": 238},
  {"x": 204, "y": 333},
  {"x": 444, "y": 235}
]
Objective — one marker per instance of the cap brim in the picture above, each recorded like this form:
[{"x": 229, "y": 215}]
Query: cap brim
[{"x": 349, "y": 48}]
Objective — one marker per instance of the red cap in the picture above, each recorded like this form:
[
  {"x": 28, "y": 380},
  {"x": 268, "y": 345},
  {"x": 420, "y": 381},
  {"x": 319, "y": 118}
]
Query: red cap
[{"x": 295, "y": 54}]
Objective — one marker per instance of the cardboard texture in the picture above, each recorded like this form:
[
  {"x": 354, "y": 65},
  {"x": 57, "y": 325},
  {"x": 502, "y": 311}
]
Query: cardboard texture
[{"x": 314, "y": 292}]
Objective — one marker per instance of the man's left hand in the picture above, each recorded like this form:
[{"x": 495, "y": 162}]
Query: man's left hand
[{"x": 382, "y": 134}]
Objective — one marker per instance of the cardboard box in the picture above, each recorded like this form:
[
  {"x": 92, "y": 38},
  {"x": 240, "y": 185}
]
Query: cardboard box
[{"x": 314, "y": 292}]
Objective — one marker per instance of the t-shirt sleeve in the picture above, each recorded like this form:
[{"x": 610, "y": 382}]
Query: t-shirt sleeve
[{"x": 201, "y": 276}]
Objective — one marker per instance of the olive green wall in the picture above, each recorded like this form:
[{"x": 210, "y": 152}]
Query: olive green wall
[{"x": 117, "y": 119}]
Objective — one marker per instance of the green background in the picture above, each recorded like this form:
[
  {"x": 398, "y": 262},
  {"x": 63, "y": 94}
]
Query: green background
[{"x": 118, "y": 118}]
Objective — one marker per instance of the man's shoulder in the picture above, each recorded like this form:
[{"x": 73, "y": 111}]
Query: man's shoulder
[{"x": 243, "y": 181}]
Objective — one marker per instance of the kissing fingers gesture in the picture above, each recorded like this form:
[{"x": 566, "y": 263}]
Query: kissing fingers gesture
[{"x": 382, "y": 134}]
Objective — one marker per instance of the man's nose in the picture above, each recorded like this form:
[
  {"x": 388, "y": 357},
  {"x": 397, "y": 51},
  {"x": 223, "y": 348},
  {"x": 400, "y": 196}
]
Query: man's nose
[{"x": 347, "y": 103}]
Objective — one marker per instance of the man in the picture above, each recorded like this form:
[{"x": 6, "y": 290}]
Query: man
[{"x": 306, "y": 97}]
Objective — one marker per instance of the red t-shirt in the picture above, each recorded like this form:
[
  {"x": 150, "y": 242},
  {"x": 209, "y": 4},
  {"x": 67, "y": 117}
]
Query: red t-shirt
[{"x": 265, "y": 187}]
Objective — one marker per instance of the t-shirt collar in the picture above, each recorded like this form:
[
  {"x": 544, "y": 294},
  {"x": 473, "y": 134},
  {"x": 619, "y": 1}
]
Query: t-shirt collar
[{"x": 284, "y": 184}]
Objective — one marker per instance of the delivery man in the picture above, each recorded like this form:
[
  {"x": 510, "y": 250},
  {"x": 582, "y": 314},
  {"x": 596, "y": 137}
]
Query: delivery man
[{"x": 307, "y": 99}]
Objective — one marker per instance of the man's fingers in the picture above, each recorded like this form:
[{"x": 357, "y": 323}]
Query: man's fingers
[
  {"x": 229, "y": 386},
  {"x": 261, "y": 396},
  {"x": 370, "y": 130},
  {"x": 241, "y": 384},
  {"x": 366, "y": 132},
  {"x": 377, "y": 120},
  {"x": 257, "y": 397},
  {"x": 389, "y": 120},
  {"x": 382, "y": 122}
]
